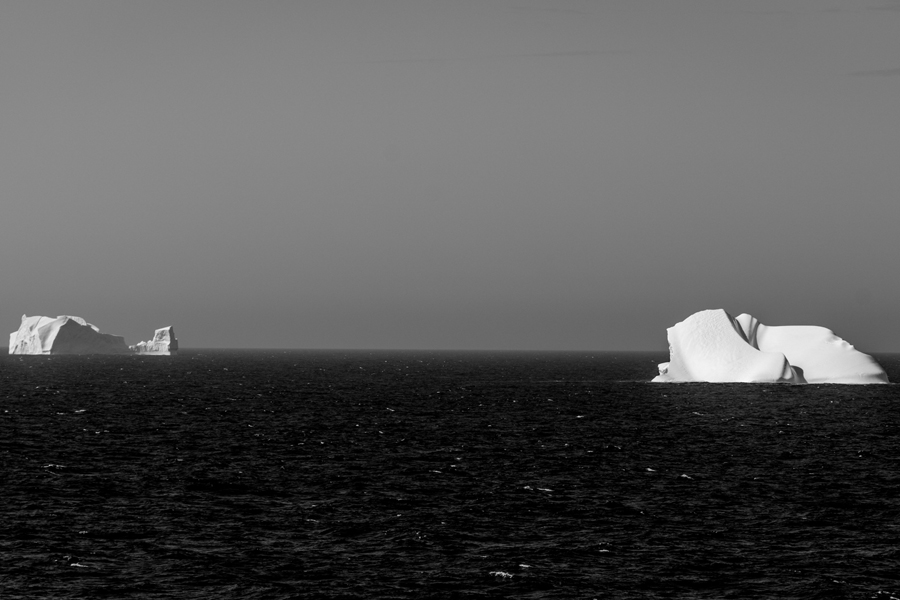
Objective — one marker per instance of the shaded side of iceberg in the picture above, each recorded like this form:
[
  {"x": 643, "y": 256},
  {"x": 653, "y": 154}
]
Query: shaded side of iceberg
[
  {"x": 713, "y": 346},
  {"x": 163, "y": 343},
  {"x": 63, "y": 335}
]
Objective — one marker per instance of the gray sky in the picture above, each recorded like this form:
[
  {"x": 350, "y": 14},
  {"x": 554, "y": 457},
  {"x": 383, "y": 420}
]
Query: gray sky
[{"x": 484, "y": 174}]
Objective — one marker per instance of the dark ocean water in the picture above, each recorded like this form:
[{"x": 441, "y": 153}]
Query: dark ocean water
[{"x": 271, "y": 474}]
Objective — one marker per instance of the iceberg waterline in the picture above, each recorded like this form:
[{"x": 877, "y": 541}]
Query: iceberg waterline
[
  {"x": 713, "y": 346},
  {"x": 68, "y": 334}
]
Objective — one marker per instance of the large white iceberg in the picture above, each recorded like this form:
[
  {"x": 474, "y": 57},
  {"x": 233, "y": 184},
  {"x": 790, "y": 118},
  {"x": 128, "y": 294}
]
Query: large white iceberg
[
  {"x": 63, "y": 335},
  {"x": 163, "y": 343},
  {"x": 73, "y": 335},
  {"x": 713, "y": 346}
]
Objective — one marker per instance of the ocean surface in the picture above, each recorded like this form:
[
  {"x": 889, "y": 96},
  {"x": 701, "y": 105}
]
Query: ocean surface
[{"x": 327, "y": 474}]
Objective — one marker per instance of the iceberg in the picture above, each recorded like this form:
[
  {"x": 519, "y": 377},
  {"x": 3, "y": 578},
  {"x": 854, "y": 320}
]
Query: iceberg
[
  {"x": 162, "y": 344},
  {"x": 63, "y": 335},
  {"x": 713, "y": 346},
  {"x": 73, "y": 335}
]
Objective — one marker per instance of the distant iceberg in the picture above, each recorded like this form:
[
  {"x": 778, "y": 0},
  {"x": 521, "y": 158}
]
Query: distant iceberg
[
  {"x": 162, "y": 344},
  {"x": 73, "y": 335},
  {"x": 713, "y": 346}
]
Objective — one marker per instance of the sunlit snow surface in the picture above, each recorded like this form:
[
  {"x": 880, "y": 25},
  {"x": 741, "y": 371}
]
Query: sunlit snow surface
[{"x": 713, "y": 346}]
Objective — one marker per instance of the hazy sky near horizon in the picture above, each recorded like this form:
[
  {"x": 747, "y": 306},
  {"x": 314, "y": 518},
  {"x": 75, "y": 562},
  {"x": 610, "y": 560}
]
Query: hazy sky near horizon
[{"x": 460, "y": 174}]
